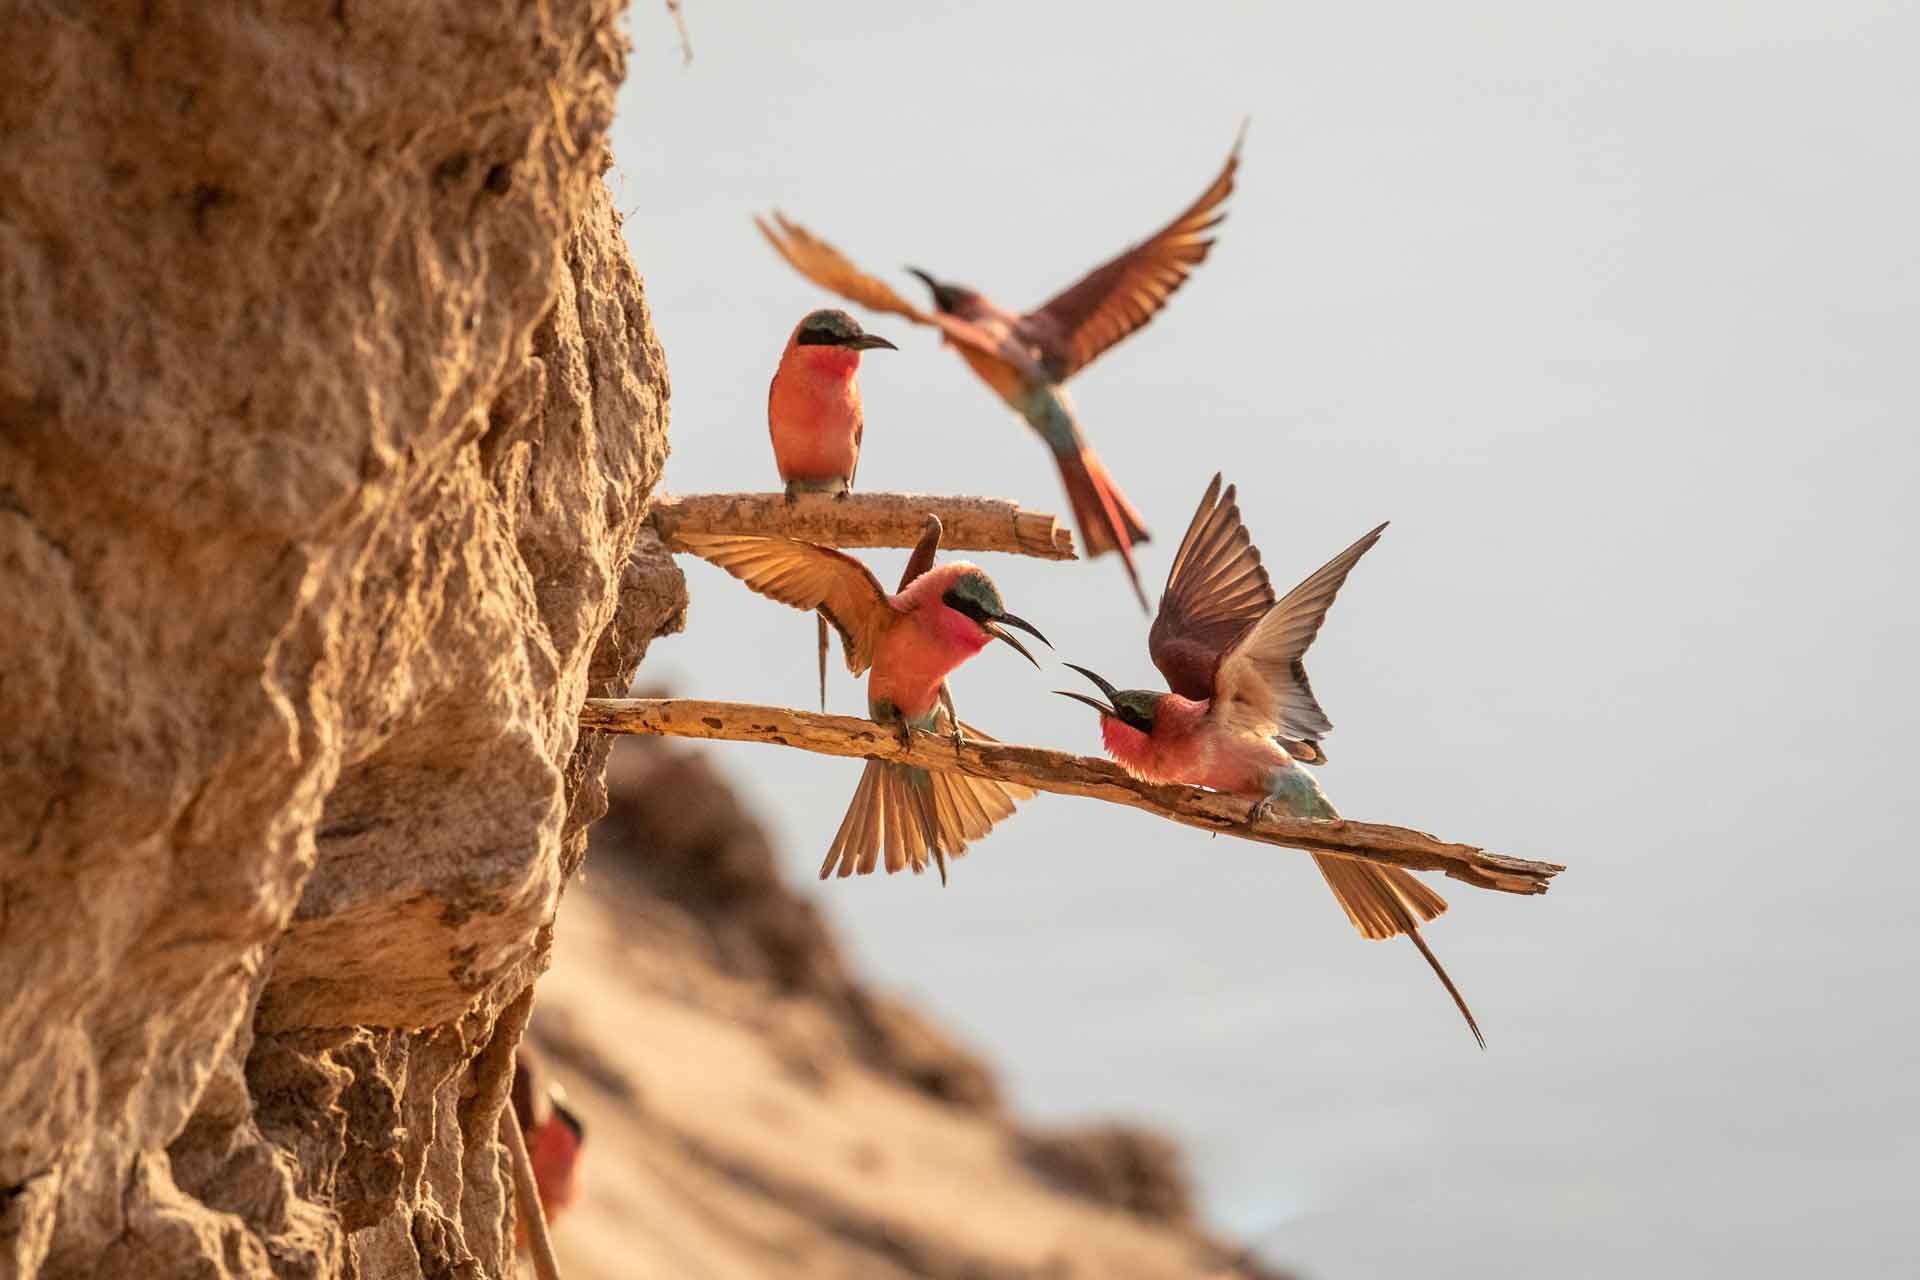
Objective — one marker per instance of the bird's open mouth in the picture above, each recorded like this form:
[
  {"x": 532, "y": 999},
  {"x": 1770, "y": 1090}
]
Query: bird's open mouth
[
  {"x": 1104, "y": 708},
  {"x": 996, "y": 629}
]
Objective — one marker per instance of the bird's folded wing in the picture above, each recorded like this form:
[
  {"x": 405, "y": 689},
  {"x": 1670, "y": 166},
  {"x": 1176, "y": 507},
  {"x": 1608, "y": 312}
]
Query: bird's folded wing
[
  {"x": 827, "y": 267},
  {"x": 923, "y": 552},
  {"x": 806, "y": 576},
  {"x": 1216, "y": 589},
  {"x": 1114, "y": 299},
  {"x": 1262, "y": 680}
]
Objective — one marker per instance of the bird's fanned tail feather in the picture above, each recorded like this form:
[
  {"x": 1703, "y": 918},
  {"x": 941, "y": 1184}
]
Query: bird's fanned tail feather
[
  {"x": 916, "y": 816},
  {"x": 1107, "y": 521}
]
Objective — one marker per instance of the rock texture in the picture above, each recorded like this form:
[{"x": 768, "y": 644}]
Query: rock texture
[{"x": 329, "y": 407}]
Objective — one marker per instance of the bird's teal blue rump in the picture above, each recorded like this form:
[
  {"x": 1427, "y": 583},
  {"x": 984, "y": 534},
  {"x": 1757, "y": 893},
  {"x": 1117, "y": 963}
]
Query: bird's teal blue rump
[
  {"x": 1297, "y": 793},
  {"x": 1046, "y": 410}
]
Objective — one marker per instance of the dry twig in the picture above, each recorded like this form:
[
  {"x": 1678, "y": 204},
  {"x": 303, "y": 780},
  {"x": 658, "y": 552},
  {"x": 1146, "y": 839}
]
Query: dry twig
[
  {"x": 867, "y": 520},
  {"x": 1065, "y": 774},
  {"x": 526, "y": 1196},
  {"x": 680, "y": 24}
]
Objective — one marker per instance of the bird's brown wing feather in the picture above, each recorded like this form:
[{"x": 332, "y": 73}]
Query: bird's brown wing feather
[
  {"x": 832, "y": 270},
  {"x": 806, "y": 576},
  {"x": 1216, "y": 590},
  {"x": 1118, "y": 297},
  {"x": 1262, "y": 680},
  {"x": 923, "y": 552}
]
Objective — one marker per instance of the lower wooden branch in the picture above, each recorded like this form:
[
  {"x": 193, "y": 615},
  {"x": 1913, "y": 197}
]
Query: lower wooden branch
[
  {"x": 866, "y": 520},
  {"x": 1065, "y": 774}
]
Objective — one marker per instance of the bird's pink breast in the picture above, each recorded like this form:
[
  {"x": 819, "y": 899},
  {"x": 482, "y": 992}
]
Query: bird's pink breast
[
  {"x": 814, "y": 414},
  {"x": 923, "y": 647},
  {"x": 1185, "y": 746}
]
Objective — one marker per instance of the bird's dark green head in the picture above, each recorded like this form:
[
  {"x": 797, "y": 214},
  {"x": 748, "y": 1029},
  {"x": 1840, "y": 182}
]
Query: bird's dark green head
[
  {"x": 831, "y": 327},
  {"x": 951, "y": 299},
  {"x": 1135, "y": 708},
  {"x": 972, "y": 594}
]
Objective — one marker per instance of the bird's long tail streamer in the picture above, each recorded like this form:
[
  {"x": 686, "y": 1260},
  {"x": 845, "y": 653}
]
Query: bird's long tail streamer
[
  {"x": 821, "y": 618},
  {"x": 1383, "y": 902}
]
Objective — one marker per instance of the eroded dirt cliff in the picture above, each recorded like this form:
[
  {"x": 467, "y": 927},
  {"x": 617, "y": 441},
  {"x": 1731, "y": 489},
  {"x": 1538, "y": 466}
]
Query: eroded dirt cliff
[{"x": 329, "y": 407}]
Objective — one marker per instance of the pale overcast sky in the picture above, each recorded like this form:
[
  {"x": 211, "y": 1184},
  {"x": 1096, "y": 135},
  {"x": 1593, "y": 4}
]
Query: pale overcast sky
[{"x": 1614, "y": 313}]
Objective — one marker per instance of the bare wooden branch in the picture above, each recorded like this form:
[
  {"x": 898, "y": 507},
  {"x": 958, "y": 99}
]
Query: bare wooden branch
[
  {"x": 526, "y": 1196},
  {"x": 1065, "y": 774},
  {"x": 867, "y": 520}
]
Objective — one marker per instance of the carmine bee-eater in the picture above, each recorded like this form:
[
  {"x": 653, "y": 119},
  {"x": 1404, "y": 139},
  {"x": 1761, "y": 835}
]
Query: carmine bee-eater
[
  {"x": 1241, "y": 716},
  {"x": 909, "y": 641},
  {"x": 1026, "y": 359},
  {"x": 814, "y": 415},
  {"x": 554, "y": 1136}
]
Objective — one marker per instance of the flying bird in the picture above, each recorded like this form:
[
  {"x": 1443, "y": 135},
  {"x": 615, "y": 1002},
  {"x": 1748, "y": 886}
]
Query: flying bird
[
  {"x": 909, "y": 642},
  {"x": 1241, "y": 717},
  {"x": 814, "y": 415},
  {"x": 1027, "y": 359},
  {"x": 554, "y": 1134}
]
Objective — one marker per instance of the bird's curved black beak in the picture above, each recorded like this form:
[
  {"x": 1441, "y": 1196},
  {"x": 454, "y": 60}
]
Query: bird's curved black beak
[
  {"x": 869, "y": 341},
  {"x": 570, "y": 1118},
  {"x": 995, "y": 628},
  {"x": 1104, "y": 708},
  {"x": 925, "y": 278}
]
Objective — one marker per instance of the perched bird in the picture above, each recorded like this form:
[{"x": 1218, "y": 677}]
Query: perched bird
[
  {"x": 910, "y": 640},
  {"x": 814, "y": 416},
  {"x": 554, "y": 1136},
  {"x": 1241, "y": 715},
  {"x": 1026, "y": 359}
]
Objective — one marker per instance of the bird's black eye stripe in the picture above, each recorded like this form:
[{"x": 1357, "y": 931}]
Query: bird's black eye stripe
[
  {"x": 965, "y": 605},
  {"x": 819, "y": 337}
]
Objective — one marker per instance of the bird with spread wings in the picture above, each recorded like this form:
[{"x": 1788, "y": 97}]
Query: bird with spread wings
[
  {"x": 906, "y": 644},
  {"x": 1027, "y": 358},
  {"x": 1241, "y": 717}
]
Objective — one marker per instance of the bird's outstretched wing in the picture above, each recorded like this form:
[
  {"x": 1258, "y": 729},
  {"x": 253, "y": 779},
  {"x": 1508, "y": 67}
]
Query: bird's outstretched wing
[
  {"x": 806, "y": 576},
  {"x": 1262, "y": 680},
  {"x": 1216, "y": 590},
  {"x": 827, "y": 267},
  {"x": 1115, "y": 299}
]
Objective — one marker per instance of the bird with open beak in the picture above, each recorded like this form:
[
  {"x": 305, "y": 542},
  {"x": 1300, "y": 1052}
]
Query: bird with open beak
[
  {"x": 1027, "y": 359},
  {"x": 1240, "y": 716},
  {"x": 814, "y": 415},
  {"x": 907, "y": 643}
]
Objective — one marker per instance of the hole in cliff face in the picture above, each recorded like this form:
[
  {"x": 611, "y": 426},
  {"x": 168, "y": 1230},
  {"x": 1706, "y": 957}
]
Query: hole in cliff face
[
  {"x": 451, "y": 170},
  {"x": 204, "y": 200},
  {"x": 499, "y": 180}
]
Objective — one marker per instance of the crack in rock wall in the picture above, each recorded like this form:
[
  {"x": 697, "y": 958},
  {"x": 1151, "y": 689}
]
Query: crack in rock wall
[{"x": 329, "y": 410}]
